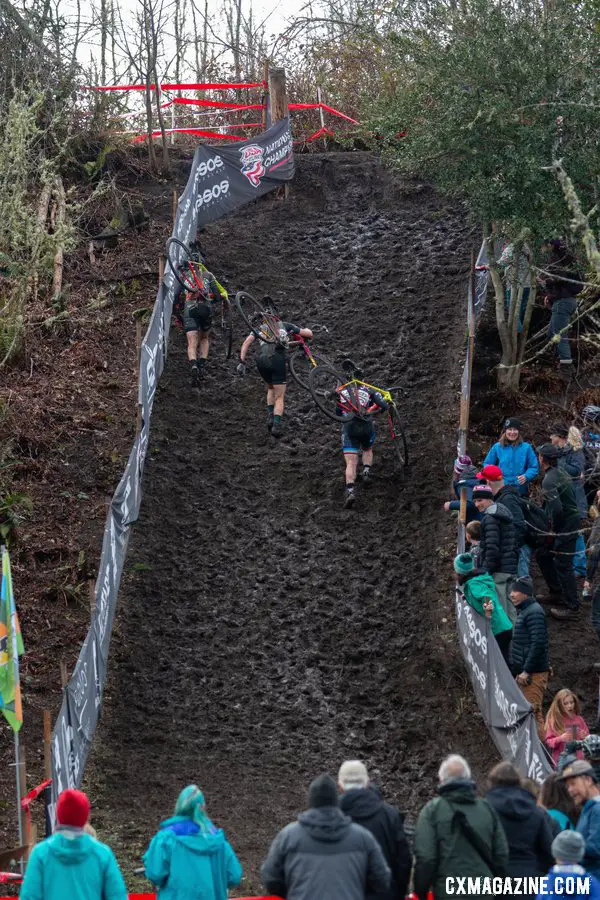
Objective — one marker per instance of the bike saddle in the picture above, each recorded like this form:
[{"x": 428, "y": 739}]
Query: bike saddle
[{"x": 350, "y": 368}]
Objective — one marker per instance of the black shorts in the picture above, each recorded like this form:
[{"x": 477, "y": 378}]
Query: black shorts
[
  {"x": 196, "y": 316},
  {"x": 358, "y": 435},
  {"x": 272, "y": 368}
]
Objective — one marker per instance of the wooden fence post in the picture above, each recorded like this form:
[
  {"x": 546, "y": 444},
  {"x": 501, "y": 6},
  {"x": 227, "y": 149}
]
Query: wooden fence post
[
  {"x": 47, "y": 745},
  {"x": 138, "y": 363},
  {"x": 279, "y": 104},
  {"x": 265, "y": 118},
  {"x": 174, "y": 203}
]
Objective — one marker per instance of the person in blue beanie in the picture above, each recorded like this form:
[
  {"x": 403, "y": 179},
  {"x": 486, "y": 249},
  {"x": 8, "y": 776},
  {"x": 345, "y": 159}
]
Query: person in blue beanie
[
  {"x": 72, "y": 865},
  {"x": 568, "y": 849},
  {"x": 514, "y": 456},
  {"x": 189, "y": 857}
]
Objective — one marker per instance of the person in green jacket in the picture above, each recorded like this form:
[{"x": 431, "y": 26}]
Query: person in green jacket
[
  {"x": 189, "y": 857},
  {"x": 479, "y": 590},
  {"x": 72, "y": 865},
  {"x": 457, "y": 835}
]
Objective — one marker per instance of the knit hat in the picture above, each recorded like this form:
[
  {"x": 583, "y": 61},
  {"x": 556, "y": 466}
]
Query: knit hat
[
  {"x": 512, "y": 423},
  {"x": 482, "y": 492},
  {"x": 464, "y": 563},
  {"x": 549, "y": 451},
  {"x": 568, "y": 847},
  {"x": 560, "y": 430},
  {"x": 491, "y": 473},
  {"x": 353, "y": 774},
  {"x": 72, "y": 808},
  {"x": 523, "y": 585},
  {"x": 461, "y": 463},
  {"x": 323, "y": 792}
]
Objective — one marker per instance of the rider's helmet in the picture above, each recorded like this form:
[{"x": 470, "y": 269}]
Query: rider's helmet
[
  {"x": 591, "y": 413},
  {"x": 591, "y": 746}
]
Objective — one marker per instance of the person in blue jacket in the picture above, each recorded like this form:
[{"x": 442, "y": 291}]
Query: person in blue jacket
[
  {"x": 189, "y": 857},
  {"x": 71, "y": 864},
  {"x": 568, "y": 849},
  {"x": 583, "y": 788},
  {"x": 514, "y": 456}
]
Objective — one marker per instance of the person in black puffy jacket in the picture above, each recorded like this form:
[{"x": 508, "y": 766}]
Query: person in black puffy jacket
[
  {"x": 527, "y": 826},
  {"x": 529, "y": 648},
  {"x": 510, "y": 497},
  {"x": 324, "y": 854},
  {"x": 362, "y": 802},
  {"x": 498, "y": 545}
]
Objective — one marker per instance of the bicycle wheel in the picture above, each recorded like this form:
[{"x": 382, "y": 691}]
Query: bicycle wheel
[
  {"x": 324, "y": 384},
  {"x": 227, "y": 326},
  {"x": 301, "y": 366},
  {"x": 261, "y": 324},
  {"x": 398, "y": 437},
  {"x": 183, "y": 265}
]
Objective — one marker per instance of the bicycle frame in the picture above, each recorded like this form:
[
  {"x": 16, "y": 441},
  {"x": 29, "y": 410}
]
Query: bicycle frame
[
  {"x": 348, "y": 407},
  {"x": 299, "y": 342}
]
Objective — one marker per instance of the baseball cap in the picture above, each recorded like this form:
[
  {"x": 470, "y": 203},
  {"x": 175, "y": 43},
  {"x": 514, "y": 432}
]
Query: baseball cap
[
  {"x": 491, "y": 473},
  {"x": 353, "y": 774},
  {"x": 577, "y": 768},
  {"x": 549, "y": 451}
]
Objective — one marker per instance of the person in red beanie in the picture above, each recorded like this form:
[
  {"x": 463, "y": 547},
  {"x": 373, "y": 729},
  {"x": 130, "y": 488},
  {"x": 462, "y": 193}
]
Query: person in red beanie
[{"x": 71, "y": 865}]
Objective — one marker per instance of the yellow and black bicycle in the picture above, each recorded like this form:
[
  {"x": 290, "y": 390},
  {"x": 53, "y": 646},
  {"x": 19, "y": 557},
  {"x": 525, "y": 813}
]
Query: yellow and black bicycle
[{"x": 342, "y": 399}]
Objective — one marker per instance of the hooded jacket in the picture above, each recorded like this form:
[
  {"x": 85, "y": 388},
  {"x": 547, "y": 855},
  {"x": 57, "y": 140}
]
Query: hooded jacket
[
  {"x": 556, "y": 883},
  {"x": 593, "y": 560},
  {"x": 527, "y": 827},
  {"x": 573, "y": 462},
  {"x": 509, "y": 497},
  {"x": 559, "y": 500},
  {"x": 443, "y": 851},
  {"x": 324, "y": 855},
  {"x": 185, "y": 863},
  {"x": 477, "y": 587},
  {"x": 72, "y": 865},
  {"x": 514, "y": 459},
  {"x": 588, "y": 826},
  {"x": 365, "y": 807},
  {"x": 499, "y": 551},
  {"x": 529, "y": 647}
]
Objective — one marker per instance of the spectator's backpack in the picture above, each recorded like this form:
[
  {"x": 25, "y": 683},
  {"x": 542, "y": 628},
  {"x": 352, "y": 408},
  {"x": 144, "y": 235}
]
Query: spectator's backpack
[{"x": 537, "y": 523}]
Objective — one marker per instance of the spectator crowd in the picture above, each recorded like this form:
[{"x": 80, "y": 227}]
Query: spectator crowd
[
  {"x": 350, "y": 844},
  {"x": 506, "y": 530}
]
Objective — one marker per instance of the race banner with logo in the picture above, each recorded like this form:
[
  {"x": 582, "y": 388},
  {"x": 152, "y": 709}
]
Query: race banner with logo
[
  {"x": 226, "y": 178},
  {"x": 220, "y": 180}
]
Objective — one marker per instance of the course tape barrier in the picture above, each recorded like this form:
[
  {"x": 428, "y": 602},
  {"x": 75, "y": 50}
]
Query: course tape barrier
[
  {"x": 506, "y": 712},
  {"x": 220, "y": 180},
  {"x": 176, "y": 87}
]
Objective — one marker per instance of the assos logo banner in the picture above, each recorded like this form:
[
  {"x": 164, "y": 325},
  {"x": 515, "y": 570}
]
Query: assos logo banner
[{"x": 252, "y": 163}]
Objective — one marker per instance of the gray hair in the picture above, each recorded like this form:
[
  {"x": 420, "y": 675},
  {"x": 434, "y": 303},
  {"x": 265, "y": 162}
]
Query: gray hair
[{"x": 454, "y": 767}]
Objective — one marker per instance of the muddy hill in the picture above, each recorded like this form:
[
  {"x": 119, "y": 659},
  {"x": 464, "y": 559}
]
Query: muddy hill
[{"x": 264, "y": 633}]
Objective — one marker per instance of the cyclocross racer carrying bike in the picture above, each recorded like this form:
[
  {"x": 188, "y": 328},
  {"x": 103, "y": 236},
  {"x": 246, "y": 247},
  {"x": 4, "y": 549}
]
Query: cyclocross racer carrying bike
[
  {"x": 358, "y": 434},
  {"x": 196, "y": 315},
  {"x": 271, "y": 364}
]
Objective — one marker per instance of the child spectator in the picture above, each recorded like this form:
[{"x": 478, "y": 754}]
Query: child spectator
[
  {"x": 568, "y": 849},
  {"x": 473, "y": 534},
  {"x": 555, "y": 799},
  {"x": 564, "y": 723},
  {"x": 463, "y": 476},
  {"x": 480, "y": 593},
  {"x": 514, "y": 456}
]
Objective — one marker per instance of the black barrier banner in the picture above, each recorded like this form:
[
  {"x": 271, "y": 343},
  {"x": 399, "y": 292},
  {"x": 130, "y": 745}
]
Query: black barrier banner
[
  {"x": 507, "y": 713},
  {"x": 225, "y": 178},
  {"x": 80, "y": 710}
]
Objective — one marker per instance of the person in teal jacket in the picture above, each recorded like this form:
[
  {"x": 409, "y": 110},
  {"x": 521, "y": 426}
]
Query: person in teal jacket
[
  {"x": 515, "y": 457},
  {"x": 71, "y": 864},
  {"x": 480, "y": 592},
  {"x": 189, "y": 858}
]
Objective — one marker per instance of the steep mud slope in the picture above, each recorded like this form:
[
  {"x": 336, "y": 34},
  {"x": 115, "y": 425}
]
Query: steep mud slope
[{"x": 265, "y": 634}]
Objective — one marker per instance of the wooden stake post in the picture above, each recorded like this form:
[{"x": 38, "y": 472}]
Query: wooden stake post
[
  {"x": 465, "y": 400},
  {"x": 265, "y": 117},
  {"x": 279, "y": 103}
]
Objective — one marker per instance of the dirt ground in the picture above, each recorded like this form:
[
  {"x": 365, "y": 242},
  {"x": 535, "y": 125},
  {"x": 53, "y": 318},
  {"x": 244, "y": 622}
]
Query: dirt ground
[{"x": 264, "y": 633}]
